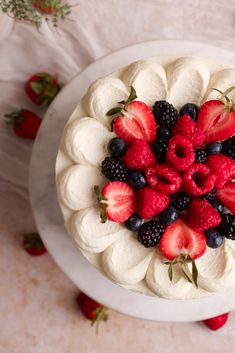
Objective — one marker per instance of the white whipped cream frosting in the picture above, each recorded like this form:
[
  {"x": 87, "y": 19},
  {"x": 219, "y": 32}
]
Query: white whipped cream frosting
[{"x": 110, "y": 246}]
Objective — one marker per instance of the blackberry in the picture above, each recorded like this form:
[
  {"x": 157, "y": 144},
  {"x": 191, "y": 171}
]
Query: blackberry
[
  {"x": 114, "y": 169},
  {"x": 150, "y": 233},
  {"x": 227, "y": 226},
  {"x": 200, "y": 155},
  {"x": 211, "y": 196},
  {"x": 165, "y": 114},
  {"x": 163, "y": 133},
  {"x": 217, "y": 205},
  {"x": 160, "y": 147},
  {"x": 180, "y": 200},
  {"x": 228, "y": 147}
]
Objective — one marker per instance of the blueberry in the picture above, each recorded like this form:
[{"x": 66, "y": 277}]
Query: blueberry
[
  {"x": 134, "y": 222},
  {"x": 163, "y": 132},
  {"x": 217, "y": 205},
  {"x": 117, "y": 147},
  {"x": 137, "y": 179},
  {"x": 214, "y": 239},
  {"x": 190, "y": 109},
  {"x": 168, "y": 216},
  {"x": 214, "y": 148}
]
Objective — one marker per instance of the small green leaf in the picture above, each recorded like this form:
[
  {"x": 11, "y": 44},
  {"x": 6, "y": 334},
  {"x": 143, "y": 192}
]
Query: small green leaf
[
  {"x": 194, "y": 273},
  {"x": 170, "y": 272},
  {"x": 131, "y": 97},
  {"x": 113, "y": 111},
  {"x": 186, "y": 276},
  {"x": 122, "y": 102},
  {"x": 37, "y": 87}
]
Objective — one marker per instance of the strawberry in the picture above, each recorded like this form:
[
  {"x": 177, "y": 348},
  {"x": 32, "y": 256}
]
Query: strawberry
[
  {"x": 227, "y": 196},
  {"x": 222, "y": 167},
  {"x": 216, "y": 119},
  {"x": 25, "y": 123},
  {"x": 42, "y": 88},
  {"x": 187, "y": 127},
  {"x": 92, "y": 310},
  {"x": 214, "y": 323},
  {"x": 202, "y": 215},
  {"x": 179, "y": 239},
  {"x": 117, "y": 201},
  {"x": 33, "y": 244},
  {"x": 180, "y": 154},
  {"x": 46, "y": 6},
  {"x": 136, "y": 120},
  {"x": 139, "y": 155},
  {"x": 150, "y": 202},
  {"x": 163, "y": 178},
  {"x": 198, "y": 180}
]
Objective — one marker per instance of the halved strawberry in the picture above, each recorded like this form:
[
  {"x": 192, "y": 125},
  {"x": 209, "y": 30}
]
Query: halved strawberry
[
  {"x": 180, "y": 240},
  {"x": 118, "y": 199},
  {"x": 214, "y": 323},
  {"x": 216, "y": 119},
  {"x": 227, "y": 196},
  {"x": 137, "y": 122}
]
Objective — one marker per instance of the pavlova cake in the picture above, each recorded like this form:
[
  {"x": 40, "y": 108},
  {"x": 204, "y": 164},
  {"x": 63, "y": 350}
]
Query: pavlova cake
[{"x": 145, "y": 176}]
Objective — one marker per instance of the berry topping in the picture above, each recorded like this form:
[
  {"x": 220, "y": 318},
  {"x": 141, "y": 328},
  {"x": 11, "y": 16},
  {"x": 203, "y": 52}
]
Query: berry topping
[
  {"x": 190, "y": 109},
  {"x": 185, "y": 126},
  {"x": 200, "y": 155},
  {"x": 25, "y": 123},
  {"x": 180, "y": 200},
  {"x": 168, "y": 216},
  {"x": 180, "y": 154},
  {"x": 213, "y": 238},
  {"x": 139, "y": 155},
  {"x": 160, "y": 147},
  {"x": 216, "y": 119},
  {"x": 163, "y": 132},
  {"x": 163, "y": 178},
  {"x": 150, "y": 202},
  {"x": 202, "y": 216},
  {"x": 137, "y": 179},
  {"x": 180, "y": 240},
  {"x": 227, "y": 196},
  {"x": 217, "y": 205},
  {"x": 228, "y": 147},
  {"x": 210, "y": 196},
  {"x": 134, "y": 222},
  {"x": 165, "y": 114},
  {"x": 197, "y": 180},
  {"x": 227, "y": 226},
  {"x": 114, "y": 169},
  {"x": 150, "y": 233},
  {"x": 117, "y": 201},
  {"x": 117, "y": 147},
  {"x": 136, "y": 120},
  {"x": 222, "y": 167},
  {"x": 213, "y": 148},
  {"x": 33, "y": 244},
  {"x": 216, "y": 322}
]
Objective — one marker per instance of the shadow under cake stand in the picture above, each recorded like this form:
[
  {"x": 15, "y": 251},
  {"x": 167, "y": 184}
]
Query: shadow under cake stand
[{"x": 46, "y": 209}]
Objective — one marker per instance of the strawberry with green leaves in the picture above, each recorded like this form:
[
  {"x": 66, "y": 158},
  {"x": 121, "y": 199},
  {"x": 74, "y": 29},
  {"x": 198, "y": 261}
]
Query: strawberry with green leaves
[
  {"x": 42, "y": 88},
  {"x": 33, "y": 244},
  {"x": 25, "y": 123}
]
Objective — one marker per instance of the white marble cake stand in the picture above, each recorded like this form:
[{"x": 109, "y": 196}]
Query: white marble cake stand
[{"x": 48, "y": 216}]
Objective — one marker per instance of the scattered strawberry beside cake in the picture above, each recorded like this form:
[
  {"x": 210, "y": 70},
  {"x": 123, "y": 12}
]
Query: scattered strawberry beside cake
[
  {"x": 25, "y": 123},
  {"x": 33, "y": 244},
  {"x": 215, "y": 323},
  {"x": 42, "y": 88},
  {"x": 92, "y": 310}
]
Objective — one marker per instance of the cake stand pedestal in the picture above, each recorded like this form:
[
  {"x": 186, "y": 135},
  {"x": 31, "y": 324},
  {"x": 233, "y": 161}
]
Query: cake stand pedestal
[{"x": 47, "y": 213}]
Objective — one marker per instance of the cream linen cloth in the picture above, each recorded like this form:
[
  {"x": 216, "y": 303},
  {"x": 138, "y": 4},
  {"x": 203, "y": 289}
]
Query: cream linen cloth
[{"x": 94, "y": 29}]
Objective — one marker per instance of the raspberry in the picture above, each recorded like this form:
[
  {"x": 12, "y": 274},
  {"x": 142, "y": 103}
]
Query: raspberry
[
  {"x": 222, "y": 167},
  {"x": 165, "y": 114},
  {"x": 180, "y": 200},
  {"x": 163, "y": 178},
  {"x": 114, "y": 169},
  {"x": 139, "y": 155},
  {"x": 197, "y": 180},
  {"x": 202, "y": 216},
  {"x": 180, "y": 154},
  {"x": 150, "y": 233},
  {"x": 185, "y": 126},
  {"x": 150, "y": 202}
]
